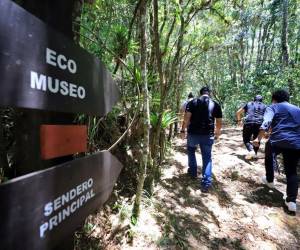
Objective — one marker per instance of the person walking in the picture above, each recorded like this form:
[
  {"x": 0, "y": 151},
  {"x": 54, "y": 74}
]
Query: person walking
[
  {"x": 284, "y": 120},
  {"x": 201, "y": 117},
  {"x": 254, "y": 112},
  {"x": 183, "y": 108}
]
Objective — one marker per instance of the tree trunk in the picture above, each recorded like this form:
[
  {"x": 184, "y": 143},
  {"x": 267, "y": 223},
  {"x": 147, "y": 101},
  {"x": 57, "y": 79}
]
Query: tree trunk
[
  {"x": 296, "y": 56},
  {"x": 231, "y": 66},
  {"x": 242, "y": 62},
  {"x": 146, "y": 111},
  {"x": 156, "y": 41},
  {"x": 252, "y": 49},
  {"x": 259, "y": 46},
  {"x": 284, "y": 34},
  {"x": 273, "y": 45},
  {"x": 284, "y": 42}
]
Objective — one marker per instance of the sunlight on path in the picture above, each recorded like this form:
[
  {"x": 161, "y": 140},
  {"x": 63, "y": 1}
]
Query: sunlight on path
[{"x": 239, "y": 212}]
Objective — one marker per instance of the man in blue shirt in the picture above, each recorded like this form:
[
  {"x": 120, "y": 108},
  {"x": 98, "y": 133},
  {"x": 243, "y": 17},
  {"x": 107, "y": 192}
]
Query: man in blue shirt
[
  {"x": 284, "y": 120},
  {"x": 254, "y": 113},
  {"x": 201, "y": 117}
]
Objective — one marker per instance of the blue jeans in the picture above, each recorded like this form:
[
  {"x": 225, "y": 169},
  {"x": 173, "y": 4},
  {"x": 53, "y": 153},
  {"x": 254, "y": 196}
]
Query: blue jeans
[{"x": 205, "y": 142}]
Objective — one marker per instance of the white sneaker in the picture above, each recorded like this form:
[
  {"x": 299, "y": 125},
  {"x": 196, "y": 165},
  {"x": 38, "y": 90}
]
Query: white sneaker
[
  {"x": 292, "y": 206},
  {"x": 269, "y": 184},
  {"x": 250, "y": 155}
]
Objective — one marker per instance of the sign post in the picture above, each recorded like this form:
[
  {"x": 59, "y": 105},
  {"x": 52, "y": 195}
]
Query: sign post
[
  {"x": 40, "y": 209},
  {"x": 41, "y": 69}
]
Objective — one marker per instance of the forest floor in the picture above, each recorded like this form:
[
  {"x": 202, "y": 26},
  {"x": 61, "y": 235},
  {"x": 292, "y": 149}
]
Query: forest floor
[{"x": 238, "y": 213}]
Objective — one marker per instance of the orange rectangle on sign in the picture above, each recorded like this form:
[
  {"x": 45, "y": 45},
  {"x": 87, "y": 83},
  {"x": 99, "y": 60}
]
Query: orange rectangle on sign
[{"x": 62, "y": 140}]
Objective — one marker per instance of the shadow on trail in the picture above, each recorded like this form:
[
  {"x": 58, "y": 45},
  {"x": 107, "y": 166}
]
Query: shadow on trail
[
  {"x": 266, "y": 197},
  {"x": 192, "y": 220},
  {"x": 234, "y": 144},
  {"x": 185, "y": 219},
  {"x": 184, "y": 216},
  {"x": 242, "y": 157},
  {"x": 218, "y": 190},
  {"x": 261, "y": 194},
  {"x": 87, "y": 243},
  {"x": 178, "y": 165},
  {"x": 220, "y": 243},
  {"x": 251, "y": 183},
  {"x": 180, "y": 148},
  {"x": 295, "y": 230}
]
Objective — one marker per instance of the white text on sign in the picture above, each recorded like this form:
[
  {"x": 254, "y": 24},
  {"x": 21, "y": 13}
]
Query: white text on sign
[
  {"x": 83, "y": 192},
  {"x": 54, "y": 85}
]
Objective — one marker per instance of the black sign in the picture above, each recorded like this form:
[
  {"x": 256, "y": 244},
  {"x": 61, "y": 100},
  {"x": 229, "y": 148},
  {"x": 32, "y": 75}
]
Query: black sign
[
  {"x": 38, "y": 210},
  {"x": 42, "y": 69}
]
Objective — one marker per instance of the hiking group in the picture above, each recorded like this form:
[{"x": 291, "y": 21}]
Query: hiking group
[{"x": 278, "y": 122}]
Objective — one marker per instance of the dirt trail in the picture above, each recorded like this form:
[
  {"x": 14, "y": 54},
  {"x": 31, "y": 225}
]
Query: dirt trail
[{"x": 239, "y": 212}]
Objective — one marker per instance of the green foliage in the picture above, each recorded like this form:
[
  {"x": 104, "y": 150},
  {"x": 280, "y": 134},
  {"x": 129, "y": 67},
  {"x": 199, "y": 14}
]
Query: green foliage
[
  {"x": 88, "y": 227},
  {"x": 123, "y": 209},
  {"x": 242, "y": 44},
  {"x": 234, "y": 47},
  {"x": 133, "y": 220},
  {"x": 168, "y": 118}
]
